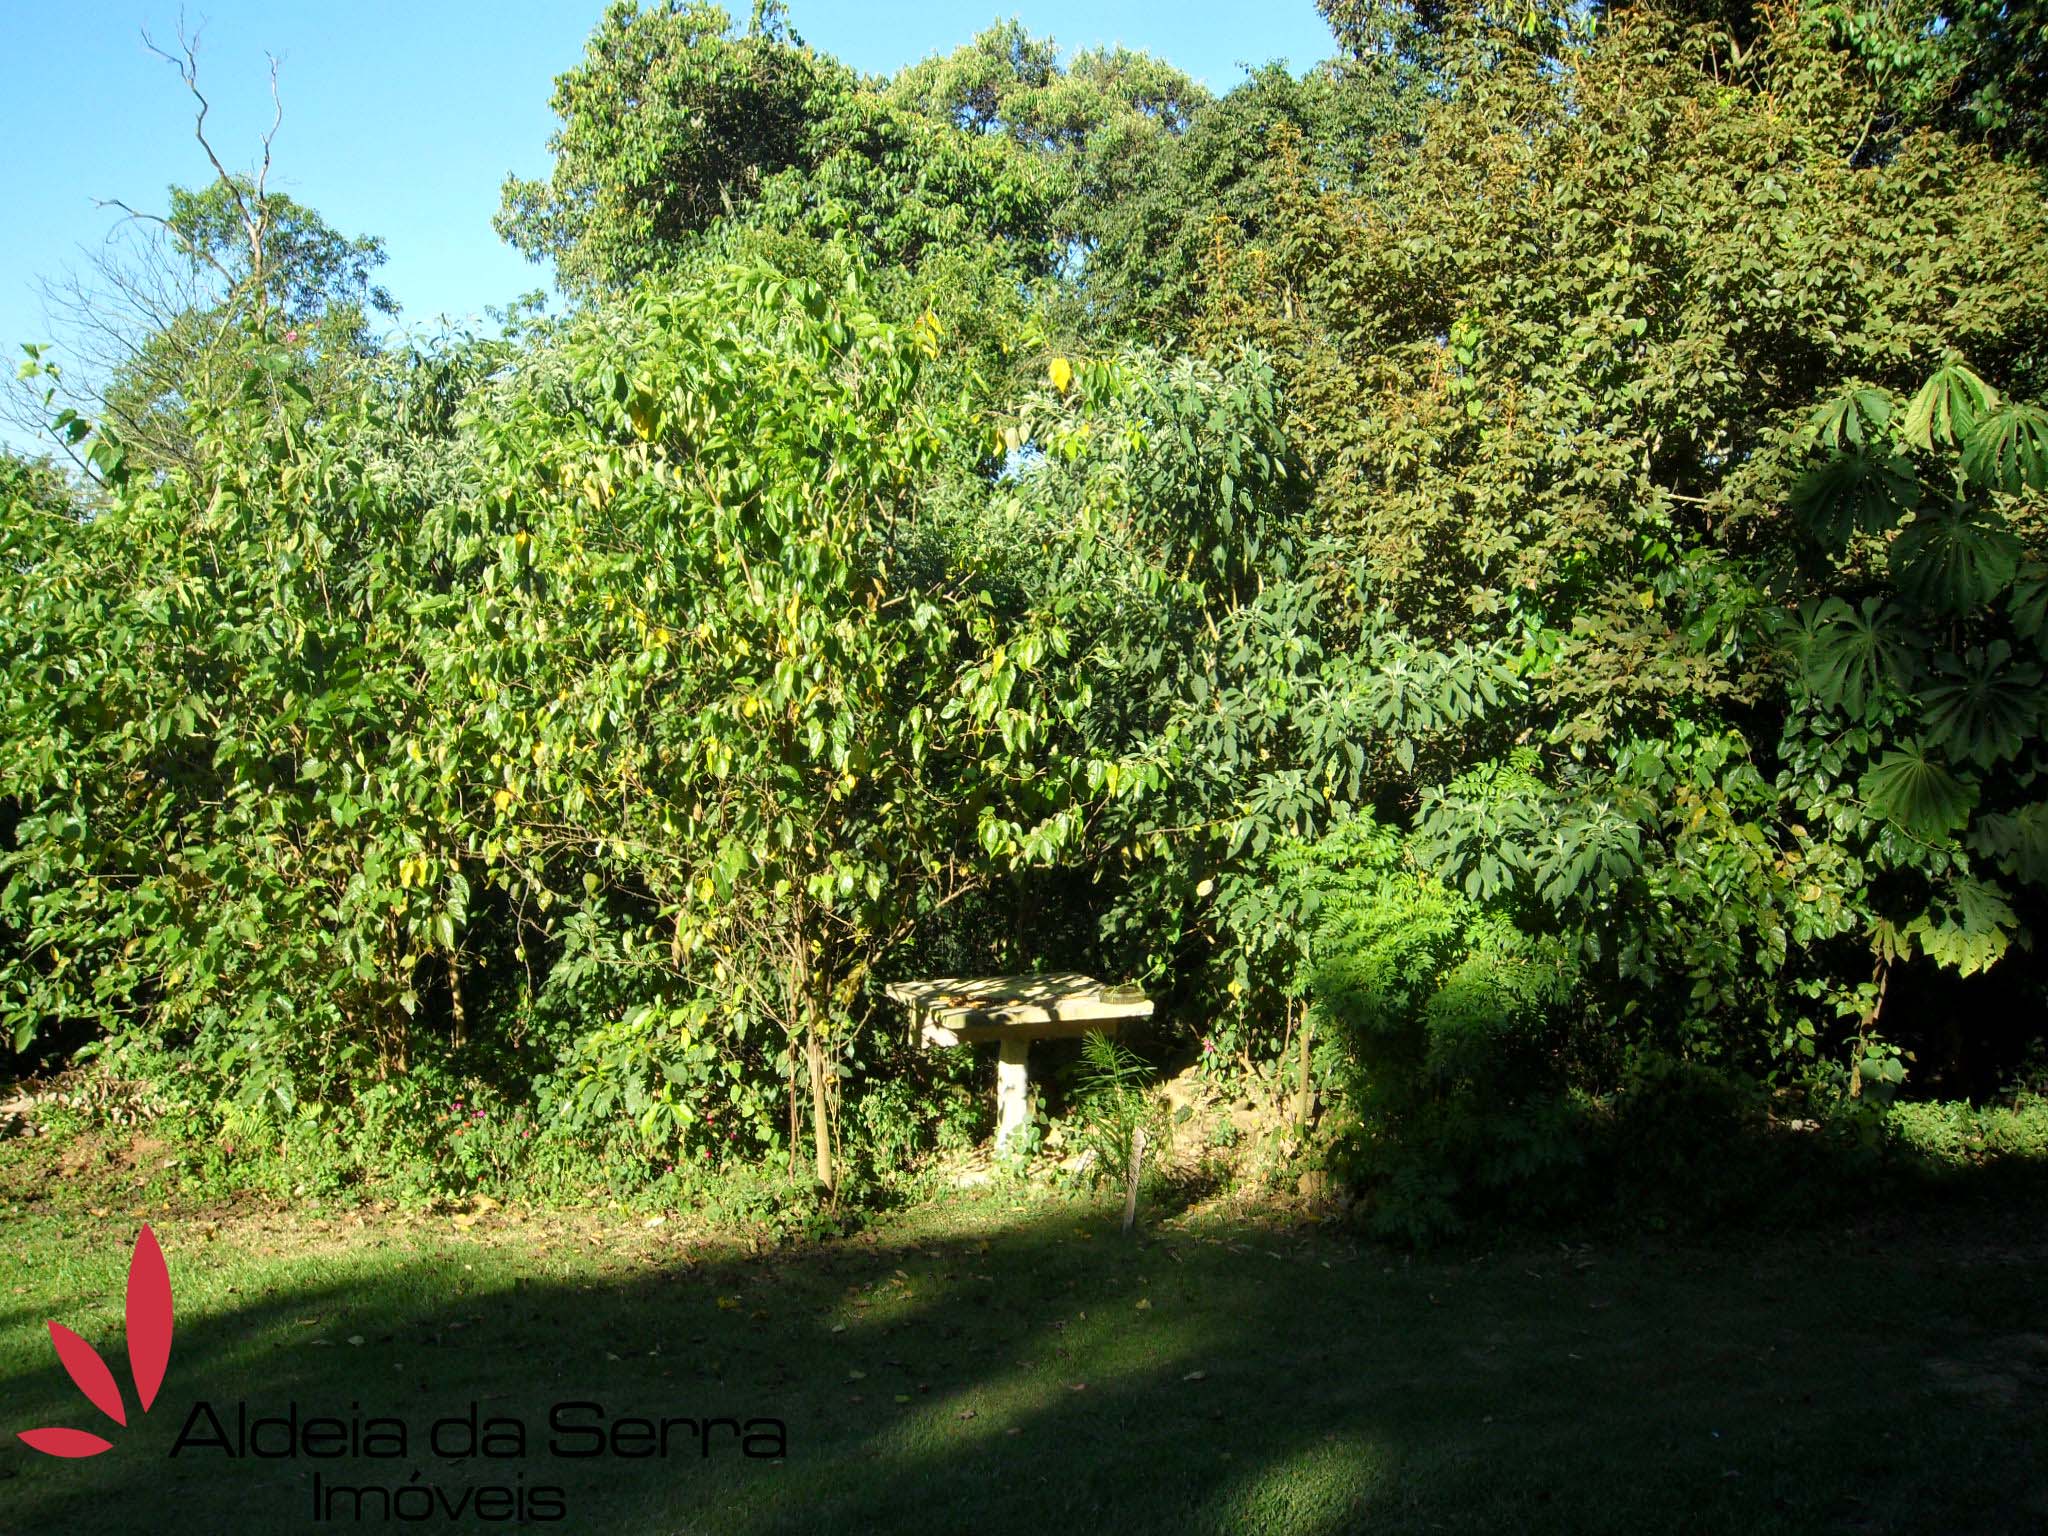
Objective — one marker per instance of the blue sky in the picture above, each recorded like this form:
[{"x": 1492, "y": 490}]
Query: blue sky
[{"x": 402, "y": 119}]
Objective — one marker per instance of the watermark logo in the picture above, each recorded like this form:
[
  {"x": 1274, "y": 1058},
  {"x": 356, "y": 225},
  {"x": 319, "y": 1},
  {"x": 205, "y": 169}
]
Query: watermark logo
[{"x": 149, "y": 1351}]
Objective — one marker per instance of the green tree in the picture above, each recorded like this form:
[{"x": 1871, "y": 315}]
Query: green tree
[
  {"x": 674, "y": 119},
  {"x": 1553, "y": 364},
  {"x": 720, "y": 684}
]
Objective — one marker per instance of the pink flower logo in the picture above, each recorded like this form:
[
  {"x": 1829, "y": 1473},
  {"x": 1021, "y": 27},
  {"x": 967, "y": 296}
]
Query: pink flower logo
[{"x": 149, "y": 1351}]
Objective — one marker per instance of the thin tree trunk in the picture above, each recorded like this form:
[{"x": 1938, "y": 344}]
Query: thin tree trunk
[
  {"x": 803, "y": 989},
  {"x": 1882, "y": 975},
  {"x": 1301, "y": 1093},
  {"x": 795, "y": 1124},
  {"x": 458, "y": 1018},
  {"x": 821, "y": 1124}
]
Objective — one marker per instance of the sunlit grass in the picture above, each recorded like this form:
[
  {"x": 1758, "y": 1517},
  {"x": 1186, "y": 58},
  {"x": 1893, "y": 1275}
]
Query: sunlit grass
[{"x": 991, "y": 1365}]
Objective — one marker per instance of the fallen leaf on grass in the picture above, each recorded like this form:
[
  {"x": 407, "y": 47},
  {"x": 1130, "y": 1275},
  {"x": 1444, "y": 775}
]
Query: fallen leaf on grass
[
  {"x": 728, "y": 1303},
  {"x": 1196, "y": 1376}
]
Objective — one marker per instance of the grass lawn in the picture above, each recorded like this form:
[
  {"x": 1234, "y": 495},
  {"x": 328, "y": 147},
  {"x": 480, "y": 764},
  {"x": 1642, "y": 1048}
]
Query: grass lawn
[{"x": 1000, "y": 1364}]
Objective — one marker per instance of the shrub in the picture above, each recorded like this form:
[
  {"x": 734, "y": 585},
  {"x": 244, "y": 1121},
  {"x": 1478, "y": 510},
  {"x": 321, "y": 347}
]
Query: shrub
[
  {"x": 1113, "y": 1103},
  {"x": 1686, "y": 1139},
  {"x": 1442, "y": 1025}
]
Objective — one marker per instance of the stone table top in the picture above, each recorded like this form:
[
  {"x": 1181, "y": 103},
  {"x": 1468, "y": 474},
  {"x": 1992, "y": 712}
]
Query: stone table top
[{"x": 952, "y": 1010}]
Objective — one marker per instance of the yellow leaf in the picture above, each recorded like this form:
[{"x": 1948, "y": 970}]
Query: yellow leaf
[{"x": 1061, "y": 373}]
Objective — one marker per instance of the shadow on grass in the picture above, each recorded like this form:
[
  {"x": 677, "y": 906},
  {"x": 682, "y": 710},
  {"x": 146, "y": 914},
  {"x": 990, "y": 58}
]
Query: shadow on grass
[{"x": 997, "y": 1371}]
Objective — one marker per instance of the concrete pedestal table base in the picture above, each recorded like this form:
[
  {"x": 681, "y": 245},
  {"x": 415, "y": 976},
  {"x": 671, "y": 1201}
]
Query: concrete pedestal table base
[
  {"x": 1013, "y": 1091},
  {"x": 1013, "y": 1011}
]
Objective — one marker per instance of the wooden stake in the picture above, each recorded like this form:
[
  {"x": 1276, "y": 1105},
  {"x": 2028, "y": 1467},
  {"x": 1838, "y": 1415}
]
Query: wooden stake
[
  {"x": 1301, "y": 1094},
  {"x": 1131, "y": 1189}
]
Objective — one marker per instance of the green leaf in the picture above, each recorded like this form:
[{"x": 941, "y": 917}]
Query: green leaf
[
  {"x": 1970, "y": 932},
  {"x": 1948, "y": 407},
  {"x": 1920, "y": 797},
  {"x": 1983, "y": 708},
  {"x": 2016, "y": 840},
  {"x": 1850, "y": 655},
  {"x": 1851, "y": 420},
  {"x": 1954, "y": 562},
  {"x": 2028, "y": 600},
  {"x": 2008, "y": 449},
  {"x": 1848, "y": 491}
]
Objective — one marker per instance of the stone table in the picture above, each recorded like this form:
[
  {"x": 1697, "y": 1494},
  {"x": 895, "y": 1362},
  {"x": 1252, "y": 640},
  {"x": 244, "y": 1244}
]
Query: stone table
[{"x": 1013, "y": 1011}]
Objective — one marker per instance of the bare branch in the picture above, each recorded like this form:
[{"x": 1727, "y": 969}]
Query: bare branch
[
  {"x": 262, "y": 229},
  {"x": 190, "y": 248},
  {"x": 186, "y": 62}
]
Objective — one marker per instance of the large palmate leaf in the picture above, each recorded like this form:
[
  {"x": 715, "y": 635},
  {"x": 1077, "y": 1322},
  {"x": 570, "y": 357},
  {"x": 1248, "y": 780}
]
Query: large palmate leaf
[
  {"x": 1848, "y": 491},
  {"x": 1948, "y": 407},
  {"x": 1983, "y": 707},
  {"x": 1917, "y": 795},
  {"x": 1851, "y": 420},
  {"x": 1954, "y": 561},
  {"x": 2017, "y": 840},
  {"x": 2008, "y": 449},
  {"x": 1969, "y": 931},
  {"x": 2028, "y": 600},
  {"x": 1848, "y": 656}
]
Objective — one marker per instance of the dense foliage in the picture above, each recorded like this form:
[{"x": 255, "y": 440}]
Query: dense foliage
[{"x": 1504, "y": 577}]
